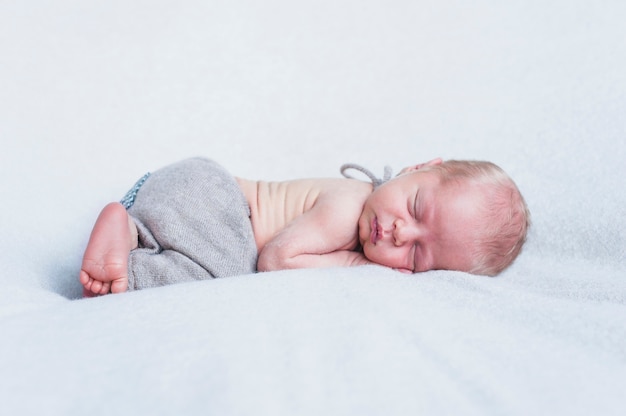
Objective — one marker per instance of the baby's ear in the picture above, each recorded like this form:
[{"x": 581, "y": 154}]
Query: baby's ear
[{"x": 419, "y": 166}]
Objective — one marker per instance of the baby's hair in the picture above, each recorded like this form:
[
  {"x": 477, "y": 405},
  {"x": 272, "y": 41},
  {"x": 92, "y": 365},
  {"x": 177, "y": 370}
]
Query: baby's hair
[{"x": 507, "y": 218}]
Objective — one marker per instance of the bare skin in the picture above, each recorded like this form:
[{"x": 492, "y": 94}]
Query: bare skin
[
  {"x": 105, "y": 262},
  {"x": 412, "y": 223},
  {"x": 297, "y": 224}
]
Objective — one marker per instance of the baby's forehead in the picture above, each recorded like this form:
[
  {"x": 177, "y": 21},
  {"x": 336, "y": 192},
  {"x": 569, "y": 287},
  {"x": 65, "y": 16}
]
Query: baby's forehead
[
  {"x": 461, "y": 191},
  {"x": 434, "y": 177}
]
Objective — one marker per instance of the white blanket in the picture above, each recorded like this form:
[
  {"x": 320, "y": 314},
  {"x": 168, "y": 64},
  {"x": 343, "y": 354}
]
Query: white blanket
[{"x": 94, "y": 94}]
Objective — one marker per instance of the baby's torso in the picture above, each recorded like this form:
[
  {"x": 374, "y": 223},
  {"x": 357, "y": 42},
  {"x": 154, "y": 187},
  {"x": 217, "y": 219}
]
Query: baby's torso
[{"x": 273, "y": 205}]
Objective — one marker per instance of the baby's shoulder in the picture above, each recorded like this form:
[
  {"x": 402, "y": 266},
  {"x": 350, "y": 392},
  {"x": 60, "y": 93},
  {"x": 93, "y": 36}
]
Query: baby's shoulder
[
  {"x": 333, "y": 194},
  {"x": 330, "y": 187}
]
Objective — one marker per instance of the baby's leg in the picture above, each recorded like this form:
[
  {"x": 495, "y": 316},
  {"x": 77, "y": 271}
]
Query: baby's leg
[{"x": 105, "y": 262}]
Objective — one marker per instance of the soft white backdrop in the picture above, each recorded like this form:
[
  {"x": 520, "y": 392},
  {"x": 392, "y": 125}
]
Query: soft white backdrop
[{"x": 94, "y": 94}]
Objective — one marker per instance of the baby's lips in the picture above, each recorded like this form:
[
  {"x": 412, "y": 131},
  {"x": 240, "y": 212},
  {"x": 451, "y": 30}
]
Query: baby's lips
[{"x": 374, "y": 232}]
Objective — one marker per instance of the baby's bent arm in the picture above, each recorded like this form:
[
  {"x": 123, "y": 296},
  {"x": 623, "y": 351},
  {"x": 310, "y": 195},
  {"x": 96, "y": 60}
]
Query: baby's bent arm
[
  {"x": 324, "y": 236},
  {"x": 340, "y": 258}
]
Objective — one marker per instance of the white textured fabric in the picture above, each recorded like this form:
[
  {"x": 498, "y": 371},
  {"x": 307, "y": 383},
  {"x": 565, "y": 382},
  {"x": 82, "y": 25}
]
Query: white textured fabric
[{"x": 93, "y": 94}]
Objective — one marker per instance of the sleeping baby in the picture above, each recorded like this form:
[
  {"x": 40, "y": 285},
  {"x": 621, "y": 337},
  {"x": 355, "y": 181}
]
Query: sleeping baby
[{"x": 192, "y": 220}]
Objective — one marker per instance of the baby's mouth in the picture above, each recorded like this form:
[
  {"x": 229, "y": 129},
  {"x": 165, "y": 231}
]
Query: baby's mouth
[{"x": 375, "y": 235}]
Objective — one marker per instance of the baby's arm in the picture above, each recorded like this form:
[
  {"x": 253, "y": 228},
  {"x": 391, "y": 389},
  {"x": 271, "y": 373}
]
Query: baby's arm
[{"x": 324, "y": 236}]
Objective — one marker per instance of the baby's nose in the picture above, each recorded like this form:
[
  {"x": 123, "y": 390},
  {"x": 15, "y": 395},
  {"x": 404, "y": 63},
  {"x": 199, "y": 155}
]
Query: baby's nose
[{"x": 404, "y": 232}]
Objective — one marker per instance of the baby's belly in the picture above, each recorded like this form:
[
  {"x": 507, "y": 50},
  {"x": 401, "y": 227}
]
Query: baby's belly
[{"x": 273, "y": 205}]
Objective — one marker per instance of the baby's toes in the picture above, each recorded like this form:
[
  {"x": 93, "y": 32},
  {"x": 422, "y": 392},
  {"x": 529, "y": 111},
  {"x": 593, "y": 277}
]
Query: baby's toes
[
  {"x": 83, "y": 278},
  {"x": 88, "y": 283},
  {"x": 96, "y": 285},
  {"x": 119, "y": 285},
  {"x": 106, "y": 288}
]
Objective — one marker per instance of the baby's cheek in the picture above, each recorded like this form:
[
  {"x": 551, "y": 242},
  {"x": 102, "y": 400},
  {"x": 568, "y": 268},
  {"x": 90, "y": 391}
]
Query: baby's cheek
[
  {"x": 373, "y": 254},
  {"x": 369, "y": 253},
  {"x": 396, "y": 259}
]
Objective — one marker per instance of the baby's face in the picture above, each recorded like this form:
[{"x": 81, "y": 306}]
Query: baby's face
[{"x": 413, "y": 223}]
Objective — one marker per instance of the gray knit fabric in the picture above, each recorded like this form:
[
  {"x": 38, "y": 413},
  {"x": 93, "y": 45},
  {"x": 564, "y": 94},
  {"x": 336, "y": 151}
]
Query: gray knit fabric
[
  {"x": 193, "y": 223},
  {"x": 375, "y": 180}
]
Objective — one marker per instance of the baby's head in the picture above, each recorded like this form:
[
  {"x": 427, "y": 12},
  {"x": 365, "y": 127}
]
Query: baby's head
[
  {"x": 506, "y": 218},
  {"x": 453, "y": 215}
]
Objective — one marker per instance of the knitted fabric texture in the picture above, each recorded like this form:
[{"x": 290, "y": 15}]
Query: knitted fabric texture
[{"x": 193, "y": 223}]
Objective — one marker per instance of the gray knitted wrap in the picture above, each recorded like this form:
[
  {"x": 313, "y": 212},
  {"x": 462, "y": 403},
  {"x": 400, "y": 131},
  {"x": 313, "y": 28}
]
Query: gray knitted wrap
[{"x": 193, "y": 223}]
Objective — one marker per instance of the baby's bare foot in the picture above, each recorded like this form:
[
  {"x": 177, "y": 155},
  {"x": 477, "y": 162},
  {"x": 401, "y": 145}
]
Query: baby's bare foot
[{"x": 105, "y": 262}]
